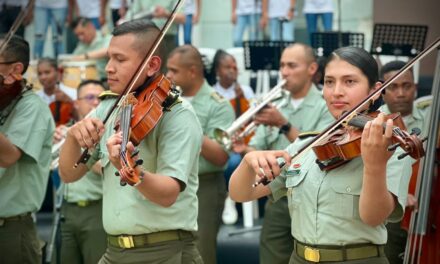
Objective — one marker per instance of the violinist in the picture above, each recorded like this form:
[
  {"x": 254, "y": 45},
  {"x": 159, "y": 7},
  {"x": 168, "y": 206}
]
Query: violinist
[
  {"x": 53, "y": 90},
  {"x": 185, "y": 68},
  {"x": 338, "y": 215},
  {"x": 154, "y": 221},
  {"x": 26, "y": 129},
  {"x": 399, "y": 97},
  {"x": 83, "y": 239},
  {"x": 58, "y": 96},
  {"x": 302, "y": 109}
]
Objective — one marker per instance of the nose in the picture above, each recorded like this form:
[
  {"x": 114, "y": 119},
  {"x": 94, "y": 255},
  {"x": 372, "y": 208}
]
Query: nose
[
  {"x": 109, "y": 68},
  {"x": 169, "y": 75},
  {"x": 338, "y": 89}
]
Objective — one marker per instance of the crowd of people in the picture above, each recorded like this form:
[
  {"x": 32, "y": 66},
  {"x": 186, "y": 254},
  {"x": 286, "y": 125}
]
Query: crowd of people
[{"x": 158, "y": 196}]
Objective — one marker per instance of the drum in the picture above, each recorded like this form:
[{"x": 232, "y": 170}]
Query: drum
[
  {"x": 74, "y": 72},
  {"x": 31, "y": 75}
]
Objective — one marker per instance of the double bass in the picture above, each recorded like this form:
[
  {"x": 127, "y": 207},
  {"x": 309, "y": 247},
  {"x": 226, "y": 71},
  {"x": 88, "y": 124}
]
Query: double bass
[{"x": 423, "y": 243}]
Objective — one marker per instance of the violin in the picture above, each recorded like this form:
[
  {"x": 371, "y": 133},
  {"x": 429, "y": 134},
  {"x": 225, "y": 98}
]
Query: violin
[
  {"x": 356, "y": 109},
  {"x": 141, "y": 111},
  {"x": 62, "y": 112},
  {"x": 152, "y": 106},
  {"x": 344, "y": 144}
]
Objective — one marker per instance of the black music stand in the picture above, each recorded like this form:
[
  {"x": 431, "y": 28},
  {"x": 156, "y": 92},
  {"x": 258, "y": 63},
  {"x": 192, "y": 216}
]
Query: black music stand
[
  {"x": 324, "y": 43},
  {"x": 398, "y": 40},
  {"x": 263, "y": 55}
]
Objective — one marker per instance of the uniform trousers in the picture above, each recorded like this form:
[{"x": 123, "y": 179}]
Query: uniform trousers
[
  {"x": 182, "y": 251},
  {"x": 276, "y": 241},
  {"x": 83, "y": 239},
  {"x": 18, "y": 241},
  {"x": 211, "y": 195}
]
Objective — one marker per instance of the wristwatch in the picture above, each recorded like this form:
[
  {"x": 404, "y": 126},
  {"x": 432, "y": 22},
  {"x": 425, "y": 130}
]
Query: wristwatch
[{"x": 284, "y": 129}]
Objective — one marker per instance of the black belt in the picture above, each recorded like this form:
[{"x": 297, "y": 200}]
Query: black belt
[
  {"x": 127, "y": 241},
  {"x": 315, "y": 253}
]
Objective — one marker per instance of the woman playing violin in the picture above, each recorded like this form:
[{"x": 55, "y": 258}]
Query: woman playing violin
[
  {"x": 337, "y": 215},
  {"x": 153, "y": 220}
]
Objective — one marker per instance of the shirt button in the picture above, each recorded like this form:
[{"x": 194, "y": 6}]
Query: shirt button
[{"x": 348, "y": 189}]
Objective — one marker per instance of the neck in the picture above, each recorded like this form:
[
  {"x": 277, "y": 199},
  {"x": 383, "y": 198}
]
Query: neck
[
  {"x": 193, "y": 89},
  {"x": 50, "y": 90},
  {"x": 303, "y": 92},
  {"x": 225, "y": 84}
]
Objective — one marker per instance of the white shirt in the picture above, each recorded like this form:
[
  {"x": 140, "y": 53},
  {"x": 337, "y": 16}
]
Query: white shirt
[
  {"x": 318, "y": 6},
  {"x": 71, "y": 92},
  {"x": 296, "y": 102},
  {"x": 51, "y": 3},
  {"x": 278, "y": 8},
  {"x": 189, "y": 7},
  {"x": 89, "y": 8},
  {"x": 115, "y": 4},
  {"x": 229, "y": 93},
  {"x": 247, "y": 7}
]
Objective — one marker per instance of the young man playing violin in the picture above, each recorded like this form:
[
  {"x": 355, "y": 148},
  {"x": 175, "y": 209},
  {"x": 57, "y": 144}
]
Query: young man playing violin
[
  {"x": 301, "y": 109},
  {"x": 338, "y": 215},
  {"x": 399, "y": 97},
  {"x": 185, "y": 68},
  {"x": 26, "y": 129},
  {"x": 154, "y": 220}
]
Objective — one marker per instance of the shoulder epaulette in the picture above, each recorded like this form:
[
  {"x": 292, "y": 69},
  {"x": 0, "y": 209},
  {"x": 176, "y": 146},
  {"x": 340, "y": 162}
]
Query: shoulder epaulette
[
  {"x": 107, "y": 94},
  {"x": 217, "y": 97},
  {"x": 307, "y": 134},
  {"x": 423, "y": 104}
]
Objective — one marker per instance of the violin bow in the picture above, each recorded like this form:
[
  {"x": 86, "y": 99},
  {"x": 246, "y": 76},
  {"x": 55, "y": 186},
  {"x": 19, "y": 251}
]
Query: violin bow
[
  {"x": 17, "y": 22},
  {"x": 345, "y": 116},
  {"x": 135, "y": 77}
]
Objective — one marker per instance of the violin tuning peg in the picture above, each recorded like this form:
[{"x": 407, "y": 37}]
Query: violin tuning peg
[
  {"x": 122, "y": 183},
  {"x": 117, "y": 174},
  {"x": 139, "y": 162},
  {"x": 135, "y": 152},
  {"x": 393, "y": 147},
  {"x": 403, "y": 155},
  {"x": 416, "y": 131}
]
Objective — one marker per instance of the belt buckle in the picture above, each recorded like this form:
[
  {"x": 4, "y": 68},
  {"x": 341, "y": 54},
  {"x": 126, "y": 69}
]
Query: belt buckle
[
  {"x": 311, "y": 254},
  {"x": 125, "y": 241},
  {"x": 82, "y": 203}
]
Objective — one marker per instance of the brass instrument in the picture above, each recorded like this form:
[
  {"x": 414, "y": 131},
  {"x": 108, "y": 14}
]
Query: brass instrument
[{"x": 224, "y": 137}]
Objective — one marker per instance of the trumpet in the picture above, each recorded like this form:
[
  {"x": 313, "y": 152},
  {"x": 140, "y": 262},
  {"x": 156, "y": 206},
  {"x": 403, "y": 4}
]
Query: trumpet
[
  {"x": 224, "y": 137},
  {"x": 56, "y": 149}
]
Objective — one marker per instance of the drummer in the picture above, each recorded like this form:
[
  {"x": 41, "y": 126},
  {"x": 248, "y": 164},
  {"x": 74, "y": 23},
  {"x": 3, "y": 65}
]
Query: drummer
[{"x": 92, "y": 44}]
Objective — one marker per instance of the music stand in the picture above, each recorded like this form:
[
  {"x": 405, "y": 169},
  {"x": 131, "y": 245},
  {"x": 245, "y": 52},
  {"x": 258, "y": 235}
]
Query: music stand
[
  {"x": 398, "y": 40},
  {"x": 263, "y": 55},
  {"x": 324, "y": 43}
]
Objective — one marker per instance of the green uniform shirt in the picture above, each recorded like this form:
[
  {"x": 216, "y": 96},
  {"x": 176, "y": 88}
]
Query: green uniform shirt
[
  {"x": 172, "y": 148},
  {"x": 148, "y": 6},
  {"x": 99, "y": 42},
  {"x": 311, "y": 115},
  {"x": 213, "y": 111},
  {"x": 324, "y": 206},
  {"x": 417, "y": 119},
  {"x": 29, "y": 127},
  {"x": 88, "y": 188}
]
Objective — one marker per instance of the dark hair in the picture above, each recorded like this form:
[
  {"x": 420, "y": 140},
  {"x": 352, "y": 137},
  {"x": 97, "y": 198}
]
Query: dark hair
[
  {"x": 392, "y": 66},
  {"x": 17, "y": 50},
  {"x": 144, "y": 30},
  {"x": 190, "y": 56},
  {"x": 359, "y": 58},
  {"x": 87, "y": 82},
  {"x": 52, "y": 62},
  {"x": 219, "y": 56},
  {"x": 83, "y": 21}
]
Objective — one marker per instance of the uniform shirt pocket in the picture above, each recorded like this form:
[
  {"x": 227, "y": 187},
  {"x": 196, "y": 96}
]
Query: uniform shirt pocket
[{"x": 345, "y": 194}]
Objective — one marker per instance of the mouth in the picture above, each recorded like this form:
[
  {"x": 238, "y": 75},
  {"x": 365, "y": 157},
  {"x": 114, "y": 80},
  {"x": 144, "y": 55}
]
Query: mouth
[{"x": 339, "y": 104}]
